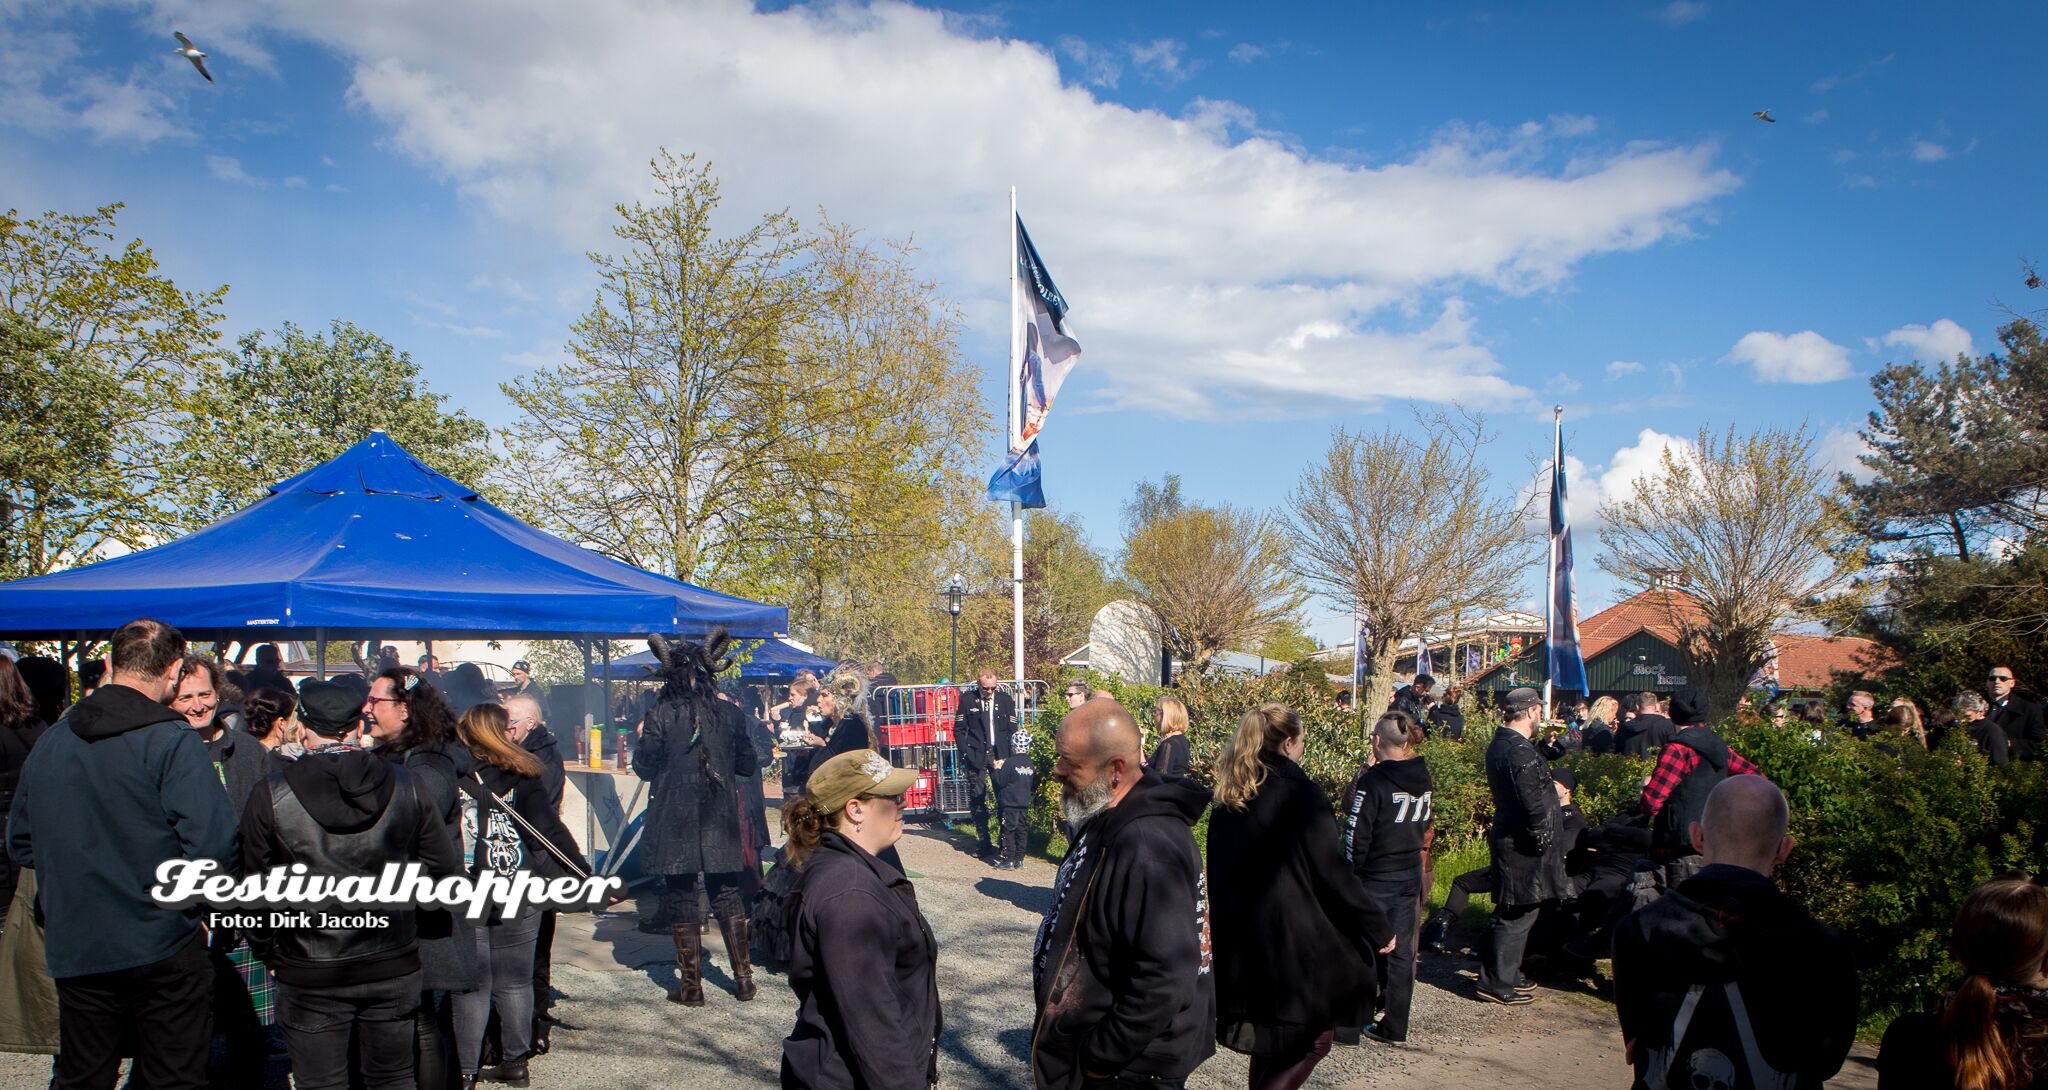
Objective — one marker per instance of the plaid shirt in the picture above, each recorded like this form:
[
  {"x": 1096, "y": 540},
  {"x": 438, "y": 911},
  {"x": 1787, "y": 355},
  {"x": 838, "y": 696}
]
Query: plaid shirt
[{"x": 1674, "y": 765}]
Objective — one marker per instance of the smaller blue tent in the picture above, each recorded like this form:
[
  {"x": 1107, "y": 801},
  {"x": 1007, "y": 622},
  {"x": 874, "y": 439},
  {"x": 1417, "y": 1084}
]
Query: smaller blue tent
[
  {"x": 373, "y": 543},
  {"x": 770, "y": 658}
]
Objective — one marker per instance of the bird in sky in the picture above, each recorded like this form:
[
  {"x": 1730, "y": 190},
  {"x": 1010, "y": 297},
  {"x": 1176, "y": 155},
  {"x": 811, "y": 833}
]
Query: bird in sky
[
  {"x": 1761, "y": 115},
  {"x": 191, "y": 53}
]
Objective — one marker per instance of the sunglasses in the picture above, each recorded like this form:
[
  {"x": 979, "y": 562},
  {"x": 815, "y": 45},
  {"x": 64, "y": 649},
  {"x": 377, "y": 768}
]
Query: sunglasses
[{"x": 1999, "y": 677}]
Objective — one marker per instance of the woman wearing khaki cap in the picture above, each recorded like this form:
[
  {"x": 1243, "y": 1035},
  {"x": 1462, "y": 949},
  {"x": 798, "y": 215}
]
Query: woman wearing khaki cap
[{"x": 861, "y": 955}]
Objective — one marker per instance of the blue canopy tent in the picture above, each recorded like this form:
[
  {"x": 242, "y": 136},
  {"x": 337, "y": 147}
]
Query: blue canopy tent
[
  {"x": 373, "y": 544},
  {"x": 769, "y": 659}
]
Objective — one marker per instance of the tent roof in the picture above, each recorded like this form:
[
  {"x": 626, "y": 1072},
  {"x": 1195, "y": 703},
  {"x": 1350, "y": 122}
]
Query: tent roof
[
  {"x": 373, "y": 543},
  {"x": 770, "y": 658}
]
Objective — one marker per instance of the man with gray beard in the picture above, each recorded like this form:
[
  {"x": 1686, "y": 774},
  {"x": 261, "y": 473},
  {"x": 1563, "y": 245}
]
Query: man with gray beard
[{"x": 1121, "y": 965}]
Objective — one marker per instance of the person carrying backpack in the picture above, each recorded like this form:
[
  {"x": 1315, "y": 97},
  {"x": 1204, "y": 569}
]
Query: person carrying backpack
[{"x": 1726, "y": 981}]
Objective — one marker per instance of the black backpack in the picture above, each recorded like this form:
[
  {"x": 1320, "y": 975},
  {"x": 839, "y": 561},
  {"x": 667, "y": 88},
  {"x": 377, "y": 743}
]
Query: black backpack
[{"x": 1713, "y": 1047}]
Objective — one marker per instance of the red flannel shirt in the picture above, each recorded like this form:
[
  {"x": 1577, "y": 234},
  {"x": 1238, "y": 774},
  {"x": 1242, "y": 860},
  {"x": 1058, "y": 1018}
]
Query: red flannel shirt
[{"x": 1674, "y": 765}]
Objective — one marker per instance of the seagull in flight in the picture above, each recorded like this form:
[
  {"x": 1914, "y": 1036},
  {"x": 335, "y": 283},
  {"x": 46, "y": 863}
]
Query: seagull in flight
[
  {"x": 191, "y": 53},
  {"x": 1761, "y": 115}
]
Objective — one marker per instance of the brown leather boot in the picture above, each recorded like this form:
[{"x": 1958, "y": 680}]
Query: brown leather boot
[
  {"x": 689, "y": 965},
  {"x": 739, "y": 954}
]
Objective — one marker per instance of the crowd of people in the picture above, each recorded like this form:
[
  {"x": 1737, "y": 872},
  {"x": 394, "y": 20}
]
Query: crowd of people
[
  {"x": 1294, "y": 929},
  {"x": 170, "y": 759}
]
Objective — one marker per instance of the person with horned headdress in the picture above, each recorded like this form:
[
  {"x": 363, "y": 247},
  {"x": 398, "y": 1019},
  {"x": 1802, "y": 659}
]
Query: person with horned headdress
[{"x": 694, "y": 753}]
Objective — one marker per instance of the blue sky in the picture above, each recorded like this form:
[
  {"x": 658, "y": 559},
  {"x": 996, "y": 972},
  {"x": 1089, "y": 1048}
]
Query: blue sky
[{"x": 1270, "y": 220}]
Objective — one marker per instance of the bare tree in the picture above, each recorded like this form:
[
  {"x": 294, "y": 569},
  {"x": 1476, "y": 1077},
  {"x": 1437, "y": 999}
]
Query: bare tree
[
  {"x": 1214, "y": 576},
  {"x": 1408, "y": 532},
  {"x": 1744, "y": 522}
]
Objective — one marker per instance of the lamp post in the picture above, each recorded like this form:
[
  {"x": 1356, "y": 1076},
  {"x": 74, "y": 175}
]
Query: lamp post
[{"x": 955, "y": 591}]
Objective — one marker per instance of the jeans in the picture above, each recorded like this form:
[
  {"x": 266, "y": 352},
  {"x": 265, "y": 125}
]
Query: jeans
[
  {"x": 1400, "y": 900},
  {"x": 506, "y": 950},
  {"x": 1507, "y": 936},
  {"x": 543, "y": 965},
  {"x": 319, "y": 1023},
  {"x": 165, "y": 1009},
  {"x": 1015, "y": 831}
]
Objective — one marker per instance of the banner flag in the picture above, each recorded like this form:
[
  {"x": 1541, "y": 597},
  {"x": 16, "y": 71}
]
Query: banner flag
[
  {"x": 1044, "y": 350},
  {"x": 1566, "y": 666},
  {"x": 1018, "y": 480}
]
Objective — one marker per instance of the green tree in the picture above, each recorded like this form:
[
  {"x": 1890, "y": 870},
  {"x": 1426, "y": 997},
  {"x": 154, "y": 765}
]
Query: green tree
[
  {"x": 1959, "y": 453},
  {"x": 1065, "y": 582},
  {"x": 1216, "y": 577},
  {"x": 1745, "y": 520},
  {"x": 1945, "y": 619},
  {"x": 130, "y": 349},
  {"x": 293, "y": 399},
  {"x": 1408, "y": 533}
]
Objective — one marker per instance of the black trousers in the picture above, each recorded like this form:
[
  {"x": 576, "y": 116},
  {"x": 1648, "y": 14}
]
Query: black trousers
[
  {"x": 543, "y": 966},
  {"x": 320, "y": 1024},
  {"x": 1016, "y": 832},
  {"x": 977, "y": 801},
  {"x": 1400, "y": 899},
  {"x": 1464, "y": 886},
  {"x": 165, "y": 1009},
  {"x": 1507, "y": 938}
]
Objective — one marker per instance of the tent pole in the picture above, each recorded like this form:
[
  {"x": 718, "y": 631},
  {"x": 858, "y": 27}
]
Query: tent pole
[
  {"x": 606, "y": 648},
  {"x": 320, "y": 653}
]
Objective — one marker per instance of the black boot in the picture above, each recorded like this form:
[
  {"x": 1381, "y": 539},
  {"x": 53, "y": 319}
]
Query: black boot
[
  {"x": 689, "y": 965},
  {"x": 1435, "y": 930},
  {"x": 734, "y": 929}
]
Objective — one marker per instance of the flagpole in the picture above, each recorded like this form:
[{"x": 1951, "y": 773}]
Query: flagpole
[
  {"x": 1550, "y": 599},
  {"x": 1016, "y": 505}
]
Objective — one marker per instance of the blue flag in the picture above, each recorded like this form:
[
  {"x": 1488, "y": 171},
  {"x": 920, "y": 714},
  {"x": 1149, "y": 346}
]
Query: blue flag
[
  {"x": 1566, "y": 666},
  {"x": 1018, "y": 479}
]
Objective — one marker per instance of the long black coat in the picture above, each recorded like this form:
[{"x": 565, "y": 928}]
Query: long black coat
[
  {"x": 692, "y": 754},
  {"x": 1293, "y": 931},
  {"x": 1526, "y": 822}
]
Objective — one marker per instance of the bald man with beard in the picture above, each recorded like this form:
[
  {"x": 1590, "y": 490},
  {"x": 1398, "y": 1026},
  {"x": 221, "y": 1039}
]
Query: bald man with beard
[
  {"x": 1121, "y": 965},
  {"x": 1727, "y": 974}
]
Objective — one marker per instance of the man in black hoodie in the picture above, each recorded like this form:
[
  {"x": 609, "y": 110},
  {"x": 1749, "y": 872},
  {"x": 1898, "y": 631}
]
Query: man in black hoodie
[
  {"x": 106, "y": 797},
  {"x": 1386, "y": 829},
  {"x": 1727, "y": 981},
  {"x": 1121, "y": 966},
  {"x": 342, "y": 812},
  {"x": 1644, "y": 728}
]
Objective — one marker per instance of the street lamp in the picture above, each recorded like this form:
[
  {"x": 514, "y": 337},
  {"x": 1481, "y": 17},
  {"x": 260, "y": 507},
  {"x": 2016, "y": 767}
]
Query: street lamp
[{"x": 955, "y": 591}]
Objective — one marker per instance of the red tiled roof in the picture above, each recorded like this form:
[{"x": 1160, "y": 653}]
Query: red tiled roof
[
  {"x": 1810, "y": 662},
  {"x": 1804, "y": 661}
]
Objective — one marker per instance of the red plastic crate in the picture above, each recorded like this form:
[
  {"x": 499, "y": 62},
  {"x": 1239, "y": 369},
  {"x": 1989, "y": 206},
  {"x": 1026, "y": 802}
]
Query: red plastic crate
[
  {"x": 917, "y": 732},
  {"x": 920, "y": 796}
]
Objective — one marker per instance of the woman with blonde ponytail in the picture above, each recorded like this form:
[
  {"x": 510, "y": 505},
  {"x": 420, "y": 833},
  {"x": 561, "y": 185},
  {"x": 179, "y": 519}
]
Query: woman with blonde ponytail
[
  {"x": 1994, "y": 1033},
  {"x": 1293, "y": 931}
]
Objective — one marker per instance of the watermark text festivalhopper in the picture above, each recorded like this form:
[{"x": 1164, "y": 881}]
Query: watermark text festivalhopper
[{"x": 182, "y": 882}]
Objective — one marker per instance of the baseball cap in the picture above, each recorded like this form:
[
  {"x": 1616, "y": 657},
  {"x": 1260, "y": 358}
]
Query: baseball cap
[
  {"x": 1520, "y": 700},
  {"x": 329, "y": 708},
  {"x": 850, "y": 775},
  {"x": 522, "y": 665},
  {"x": 1566, "y": 777}
]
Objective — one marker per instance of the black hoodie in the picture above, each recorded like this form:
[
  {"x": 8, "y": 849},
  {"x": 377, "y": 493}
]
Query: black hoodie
[
  {"x": 1385, "y": 818},
  {"x": 1796, "y": 977},
  {"x": 1644, "y": 735},
  {"x": 345, "y": 791},
  {"x": 1121, "y": 967},
  {"x": 116, "y": 788}
]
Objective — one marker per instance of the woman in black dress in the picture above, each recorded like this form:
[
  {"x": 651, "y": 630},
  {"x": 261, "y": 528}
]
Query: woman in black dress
[{"x": 1171, "y": 756}]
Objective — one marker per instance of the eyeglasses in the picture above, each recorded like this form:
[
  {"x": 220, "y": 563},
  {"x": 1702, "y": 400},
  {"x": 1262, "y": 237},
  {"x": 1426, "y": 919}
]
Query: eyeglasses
[
  {"x": 373, "y": 701},
  {"x": 1999, "y": 677}
]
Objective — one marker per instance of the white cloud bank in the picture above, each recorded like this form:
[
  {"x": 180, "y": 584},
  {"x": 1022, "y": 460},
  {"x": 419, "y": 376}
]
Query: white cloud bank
[
  {"x": 1209, "y": 265},
  {"x": 1799, "y": 357}
]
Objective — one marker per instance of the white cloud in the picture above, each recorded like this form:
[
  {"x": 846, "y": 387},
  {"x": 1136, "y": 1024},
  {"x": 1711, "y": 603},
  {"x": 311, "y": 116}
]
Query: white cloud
[
  {"x": 1927, "y": 151},
  {"x": 504, "y": 285},
  {"x": 1643, "y": 458},
  {"x": 1676, "y": 374},
  {"x": 1099, "y": 66},
  {"x": 1860, "y": 181},
  {"x": 1160, "y": 61},
  {"x": 1681, "y": 12},
  {"x": 295, "y": 182},
  {"x": 1838, "y": 451},
  {"x": 1246, "y": 53},
  {"x": 1193, "y": 252},
  {"x": 1623, "y": 367},
  {"x": 1938, "y": 343},
  {"x": 1562, "y": 383},
  {"x": 1816, "y": 117},
  {"x": 1804, "y": 357},
  {"x": 227, "y": 168},
  {"x": 47, "y": 89}
]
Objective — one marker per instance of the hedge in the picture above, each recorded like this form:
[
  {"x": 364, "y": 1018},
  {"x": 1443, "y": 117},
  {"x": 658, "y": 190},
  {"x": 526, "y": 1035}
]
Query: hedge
[{"x": 1888, "y": 844}]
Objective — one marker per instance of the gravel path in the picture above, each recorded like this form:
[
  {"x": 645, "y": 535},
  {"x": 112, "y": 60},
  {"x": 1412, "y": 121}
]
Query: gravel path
[{"x": 614, "y": 982}]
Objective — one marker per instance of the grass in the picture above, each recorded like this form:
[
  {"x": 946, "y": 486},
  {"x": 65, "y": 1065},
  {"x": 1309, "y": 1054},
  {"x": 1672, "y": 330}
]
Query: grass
[{"x": 1470, "y": 855}]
